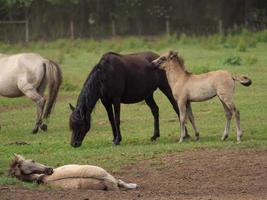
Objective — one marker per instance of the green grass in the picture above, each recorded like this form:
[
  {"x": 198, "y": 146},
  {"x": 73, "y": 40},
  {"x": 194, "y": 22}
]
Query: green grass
[{"x": 77, "y": 58}]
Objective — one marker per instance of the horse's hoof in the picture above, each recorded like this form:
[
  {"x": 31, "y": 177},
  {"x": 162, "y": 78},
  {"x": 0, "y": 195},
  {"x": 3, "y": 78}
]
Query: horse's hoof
[
  {"x": 154, "y": 138},
  {"x": 187, "y": 136},
  {"x": 224, "y": 137},
  {"x": 35, "y": 130},
  {"x": 116, "y": 143},
  {"x": 44, "y": 127}
]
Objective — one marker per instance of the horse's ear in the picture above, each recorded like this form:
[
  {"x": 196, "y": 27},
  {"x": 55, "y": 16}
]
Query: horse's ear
[
  {"x": 173, "y": 54},
  {"x": 72, "y": 108},
  {"x": 18, "y": 157}
]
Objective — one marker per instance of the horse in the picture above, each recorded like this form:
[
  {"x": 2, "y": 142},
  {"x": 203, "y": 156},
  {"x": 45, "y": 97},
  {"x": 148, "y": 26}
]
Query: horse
[
  {"x": 28, "y": 74},
  {"x": 67, "y": 176},
  {"x": 117, "y": 79},
  {"x": 187, "y": 87}
]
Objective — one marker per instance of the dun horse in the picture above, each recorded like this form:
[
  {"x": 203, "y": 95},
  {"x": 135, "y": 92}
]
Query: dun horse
[
  {"x": 28, "y": 74},
  {"x": 67, "y": 176},
  {"x": 119, "y": 79},
  {"x": 187, "y": 88}
]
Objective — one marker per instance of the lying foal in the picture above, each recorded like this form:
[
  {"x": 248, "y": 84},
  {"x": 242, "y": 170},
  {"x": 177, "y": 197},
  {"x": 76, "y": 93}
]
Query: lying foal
[
  {"x": 67, "y": 176},
  {"x": 187, "y": 87}
]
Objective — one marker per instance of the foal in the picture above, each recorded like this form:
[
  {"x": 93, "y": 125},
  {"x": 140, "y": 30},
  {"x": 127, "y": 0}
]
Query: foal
[
  {"x": 187, "y": 87},
  {"x": 67, "y": 176}
]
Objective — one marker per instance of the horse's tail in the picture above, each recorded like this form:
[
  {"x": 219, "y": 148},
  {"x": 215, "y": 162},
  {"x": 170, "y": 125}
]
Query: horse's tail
[
  {"x": 128, "y": 186},
  {"x": 243, "y": 80},
  {"x": 54, "y": 77}
]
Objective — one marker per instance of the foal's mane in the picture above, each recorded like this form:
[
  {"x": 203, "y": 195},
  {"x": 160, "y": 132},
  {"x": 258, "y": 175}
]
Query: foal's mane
[{"x": 180, "y": 61}]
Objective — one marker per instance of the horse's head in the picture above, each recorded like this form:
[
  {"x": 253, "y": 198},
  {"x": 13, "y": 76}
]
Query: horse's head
[
  {"x": 79, "y": 126},
  {"x": 163, "y": 61},
  {"x": 21, "y": 168}
]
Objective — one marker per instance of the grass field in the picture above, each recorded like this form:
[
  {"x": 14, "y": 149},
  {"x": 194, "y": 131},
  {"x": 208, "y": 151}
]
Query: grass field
[{"x": 243, "y": 53}]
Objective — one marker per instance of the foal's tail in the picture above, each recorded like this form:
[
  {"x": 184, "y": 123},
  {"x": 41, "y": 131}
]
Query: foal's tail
[
  {"x": 54, "y": 77},
  {"x": 243, "y": 80},
  {"x": 129, "y": 186}
]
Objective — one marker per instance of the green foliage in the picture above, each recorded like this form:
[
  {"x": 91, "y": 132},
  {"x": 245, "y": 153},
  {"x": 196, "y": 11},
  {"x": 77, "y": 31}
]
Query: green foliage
[{"x": 232, "y": 60}]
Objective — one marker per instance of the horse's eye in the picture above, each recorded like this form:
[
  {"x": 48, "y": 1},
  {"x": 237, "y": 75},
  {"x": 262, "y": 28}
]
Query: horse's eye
[
  {"x": 19, "y": 165},
  {"x": 33, "y": 161}
]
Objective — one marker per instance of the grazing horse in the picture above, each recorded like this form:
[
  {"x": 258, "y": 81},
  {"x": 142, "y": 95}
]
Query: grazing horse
[
  {"x": 67, "y": 176},
  {"x": 119, "y": 79},
  {"x": 28, "y": 74},
  {"x": 187, "y": 87}
]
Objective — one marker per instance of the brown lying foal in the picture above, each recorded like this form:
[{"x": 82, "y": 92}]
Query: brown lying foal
[
  {"x": 67, "y": 176},
  {"x": 187, "y": 87}
]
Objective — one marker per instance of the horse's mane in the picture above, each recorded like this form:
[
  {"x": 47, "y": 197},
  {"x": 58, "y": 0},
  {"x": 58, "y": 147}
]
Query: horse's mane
[
  {"x": 180, "y": 61},
  {"x": 91, "y": 90}
]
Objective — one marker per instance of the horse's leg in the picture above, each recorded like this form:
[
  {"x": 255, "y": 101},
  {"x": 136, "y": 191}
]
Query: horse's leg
[
  {"x": 166, "y": 90},
  {"x": 117, "y": 107},
  {"x": 182, "y": 108},
  {"x": 238, "y": 128},
  {"x": 108, "y": 107},
  {"x": 155, "y": 111},
  {"x": 41, "y": 90},
  {"x": 191, "y": 118},
  {"x": 31, "y": 92},
  {"x": 228, "y": 115}
]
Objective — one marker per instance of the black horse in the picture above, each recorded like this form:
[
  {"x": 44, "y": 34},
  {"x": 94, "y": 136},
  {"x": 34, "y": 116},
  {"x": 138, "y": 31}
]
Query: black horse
[{"x": 119, "y": 79}]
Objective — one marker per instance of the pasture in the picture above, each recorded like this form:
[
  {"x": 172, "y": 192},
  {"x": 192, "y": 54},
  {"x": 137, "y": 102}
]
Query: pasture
[{"x": 244, "y": 53}]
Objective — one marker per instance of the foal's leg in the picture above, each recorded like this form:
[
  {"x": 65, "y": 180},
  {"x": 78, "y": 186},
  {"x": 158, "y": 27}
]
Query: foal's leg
[
  {"x": 191, "y": 118},
  {"x": 237, "y": 122},
  {"x": 182, "y": 108},
  {"x": 155, "y": 111},
  {"x": 108, "y": 107},
  {"x": 228, "y": 115},
  {"x": 231, "y": 107},
  {"x": 165, "y": 88},
  {"x": 31, "y": 92},
  {"x": 117, "y": 107}
]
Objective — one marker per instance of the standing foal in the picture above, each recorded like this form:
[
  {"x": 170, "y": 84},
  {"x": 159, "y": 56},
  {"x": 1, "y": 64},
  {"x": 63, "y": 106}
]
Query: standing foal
[{"x": 187, "y": 87}]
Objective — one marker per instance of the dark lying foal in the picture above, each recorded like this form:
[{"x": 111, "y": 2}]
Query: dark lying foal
[{"x": 119, "y": 79}]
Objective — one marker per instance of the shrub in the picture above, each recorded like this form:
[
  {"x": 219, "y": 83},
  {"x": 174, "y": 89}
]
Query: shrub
[{"x": 232, "y": 60}]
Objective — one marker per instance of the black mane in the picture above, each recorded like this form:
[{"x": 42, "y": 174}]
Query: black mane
[{"x": 90, "y": 92}]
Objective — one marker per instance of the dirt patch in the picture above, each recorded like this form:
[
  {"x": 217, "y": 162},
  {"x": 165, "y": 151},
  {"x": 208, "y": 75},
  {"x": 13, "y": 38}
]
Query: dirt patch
[{"x": 198, "y": 174}]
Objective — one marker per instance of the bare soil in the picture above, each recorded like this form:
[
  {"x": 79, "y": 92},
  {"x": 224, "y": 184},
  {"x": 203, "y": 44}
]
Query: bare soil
[{"x": 197, "y": 174}]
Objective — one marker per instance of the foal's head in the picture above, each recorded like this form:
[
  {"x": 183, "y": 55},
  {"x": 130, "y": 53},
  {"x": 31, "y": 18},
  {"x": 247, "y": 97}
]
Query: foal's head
[
  {"x": 79, "y": 126},
  {"x": 22, "y": 168},
  {"x": 163, "y": 62}
]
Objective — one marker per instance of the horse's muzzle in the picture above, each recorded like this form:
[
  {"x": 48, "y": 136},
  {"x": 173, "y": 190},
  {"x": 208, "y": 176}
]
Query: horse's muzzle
[
  {"x": 49, "y": 171},
  {"x": 75, "y": 144}
]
